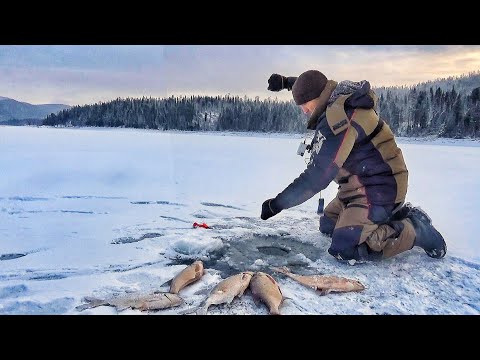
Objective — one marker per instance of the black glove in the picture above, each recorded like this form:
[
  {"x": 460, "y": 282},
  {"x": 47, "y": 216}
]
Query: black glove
[
  {"x": 277, "y": 82},
  {"x": 269, "y": 209}
]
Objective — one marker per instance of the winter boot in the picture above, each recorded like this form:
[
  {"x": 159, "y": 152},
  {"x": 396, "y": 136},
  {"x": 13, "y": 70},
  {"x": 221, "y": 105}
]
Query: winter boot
[
  {"x": 426, "y": 236},
  {"x": 364, "y": 254}
]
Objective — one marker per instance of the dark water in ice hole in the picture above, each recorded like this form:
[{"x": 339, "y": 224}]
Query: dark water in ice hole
[{"x": 239, "y": 255}]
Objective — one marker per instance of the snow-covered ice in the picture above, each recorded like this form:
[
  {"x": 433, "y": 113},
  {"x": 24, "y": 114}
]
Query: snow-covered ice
[{"x": 99, "y": 212}]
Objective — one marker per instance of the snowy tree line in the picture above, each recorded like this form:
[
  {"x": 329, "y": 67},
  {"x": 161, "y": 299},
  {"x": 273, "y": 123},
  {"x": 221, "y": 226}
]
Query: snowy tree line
[
  {"x": 446, "y": 107},
  {"x": 208, "y": 113}
]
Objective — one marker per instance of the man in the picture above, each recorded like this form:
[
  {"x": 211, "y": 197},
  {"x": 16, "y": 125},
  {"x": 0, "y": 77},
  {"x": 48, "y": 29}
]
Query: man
[{"x": 368, "y": 219}]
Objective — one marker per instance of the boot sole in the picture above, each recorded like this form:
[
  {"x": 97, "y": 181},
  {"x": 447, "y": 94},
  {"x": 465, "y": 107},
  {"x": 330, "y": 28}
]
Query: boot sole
[{"x": 438, "y": 253}]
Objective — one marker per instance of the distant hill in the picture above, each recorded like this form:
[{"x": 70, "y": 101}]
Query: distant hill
[
  {"x": 448, "y": 107},
  {"x": 11, "y": 109},
  {"x": 464, "y": 83}
]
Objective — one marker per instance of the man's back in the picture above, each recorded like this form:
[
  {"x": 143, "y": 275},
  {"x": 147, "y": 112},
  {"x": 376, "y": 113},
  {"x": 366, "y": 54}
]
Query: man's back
[
  {"x": 375, "y": 162},
  {"x": 364, "y": 148}
]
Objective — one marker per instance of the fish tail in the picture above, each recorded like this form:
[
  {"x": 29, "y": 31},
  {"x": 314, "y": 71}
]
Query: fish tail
[
  {"x": 203, "y": 309},
  {"x": 274, "y": 311},
  {"x": 91, "y": 303},
  {"x": 167, "y": 283},
  {"x": 284, "y": 270},
  {"x": 188, "y": 311},
  {"x": 83, "y": 307},
  {"x": 174, "y": 288}
]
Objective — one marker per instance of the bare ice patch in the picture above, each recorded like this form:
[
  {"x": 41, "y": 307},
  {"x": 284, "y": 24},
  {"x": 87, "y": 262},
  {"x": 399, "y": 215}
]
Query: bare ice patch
[
  {"x": 93, "y": 197},
  {"x": 130, "y": 239},
  {"x": 27, "y": 198},
  {"x": 10, "y": 256},
  {"x": 220, "y": 205},
  {"x": 57, "y": 306},
  {"x": 173, "y": 218},
  {"x": 159, "y": 202},
  {"x": 12, "y": 291}
]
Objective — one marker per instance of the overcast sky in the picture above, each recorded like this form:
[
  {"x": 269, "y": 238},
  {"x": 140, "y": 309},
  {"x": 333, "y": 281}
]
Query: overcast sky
[{"x": 84, "y": 74}]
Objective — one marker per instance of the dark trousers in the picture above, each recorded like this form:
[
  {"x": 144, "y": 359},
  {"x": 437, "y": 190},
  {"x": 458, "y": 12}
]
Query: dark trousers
[{"x": 357, "y": 222}]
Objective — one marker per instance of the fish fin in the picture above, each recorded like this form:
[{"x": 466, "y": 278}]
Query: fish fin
[
  {"x": 90, "y": 298},
  {"x": 91, "y": 302},
  {"x": 202, "y": 310},
  {"x": 191, "y": 310},
  {"x": 202, "y": 291},
  {"x": 85, "y": 306},
  {"x": 324, "y": 291},
  {"x": 198, "y": 310},
  {"x": 167, "y": 283}
]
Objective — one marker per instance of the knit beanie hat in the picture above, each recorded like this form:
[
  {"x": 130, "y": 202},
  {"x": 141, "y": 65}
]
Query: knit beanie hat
[{"x": 308, "y": 86}]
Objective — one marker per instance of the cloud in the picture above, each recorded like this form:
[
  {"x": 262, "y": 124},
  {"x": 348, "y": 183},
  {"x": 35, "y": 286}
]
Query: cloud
[
  {"x": 85, "y": 57},
  {"x": 88, "y": 74}
]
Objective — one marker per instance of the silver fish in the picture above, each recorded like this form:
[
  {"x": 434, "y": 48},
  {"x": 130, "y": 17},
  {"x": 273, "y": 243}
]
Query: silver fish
[
  {"x": 266, "y": 289},
  {"x": 190, "y": 274},
  {"x": 226, "y": 290},
  {"x": 323, "y": 283},
  {"x": 142, "y": 302}
]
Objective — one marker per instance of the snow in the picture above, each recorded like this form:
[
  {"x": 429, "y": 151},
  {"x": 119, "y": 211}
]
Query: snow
[{"x": 100, "y": 212}]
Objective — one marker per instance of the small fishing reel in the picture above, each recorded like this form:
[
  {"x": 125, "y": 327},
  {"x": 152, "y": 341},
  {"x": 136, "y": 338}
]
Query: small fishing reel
[{"x": 307, "y": 145}]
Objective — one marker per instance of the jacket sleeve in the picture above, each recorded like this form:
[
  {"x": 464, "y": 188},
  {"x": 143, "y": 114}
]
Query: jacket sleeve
[
  {"x": 290, "y": 81},
  {"x": 321, "y": 171}
]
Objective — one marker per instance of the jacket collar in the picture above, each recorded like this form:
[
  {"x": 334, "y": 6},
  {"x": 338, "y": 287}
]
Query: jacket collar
[{"x": 322, "y": 105}]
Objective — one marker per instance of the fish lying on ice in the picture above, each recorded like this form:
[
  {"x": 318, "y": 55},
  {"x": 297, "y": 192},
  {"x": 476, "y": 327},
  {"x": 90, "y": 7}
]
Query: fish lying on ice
[
  {"x": 157, "y": 301},
  {"x": 190, "y": 274},
  {"x": 323, "y": 283},
  {"x": 266, "y": 289},
  {"x": 226, "y": 290}
]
